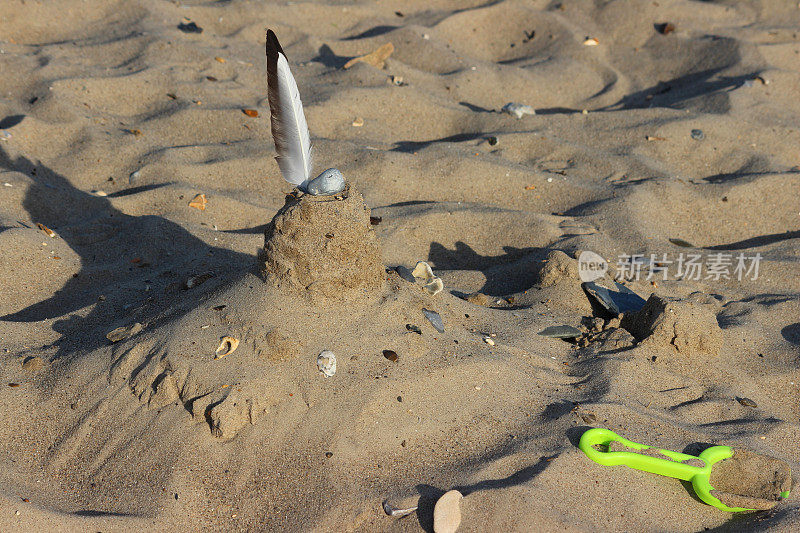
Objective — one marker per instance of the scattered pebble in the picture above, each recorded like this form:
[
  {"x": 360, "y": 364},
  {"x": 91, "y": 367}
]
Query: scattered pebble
[
  {"x": 194, "y": 281},
  {"x": 447, "y": 512},
  {"x": 133, "y": 177},
  {"x": 405, "y": 273},
  {"x": 124, "y": 332},
  {"x": 227, "y": 345},
  {"x": 220, "y": 59},
  {"x": 435, "y": 319},
  {"x": 190, "y": 27},
  {"x": 517, "y": 110},
  {"x": 747, "y": 402},
  {"x": 374, "y": 221},
  {"x": 326, "y": 362},
  {"x": 698, "y": 135},
  {"x": 250, "y": 112},
  {"x": 33, "y": 364},
  {"x": 376, "y": 58},
  {"x": 398, "y": 80},
  {"x": 615, "y": 300},
  {"x": 46, "y": 230},
  {"x": 327, "y": 183},
  {"x": 391, "y": 355},
  {"x": 589, "y": 418},
  {"x": 414, "y": 329},
  {"x": 591, "y": 41},
  {"x": 4, "y": 135},
  {"x": 665, "y": 28},
  {"x": 492, "y": 140},
  {"x": 561, "y": 332},
  {"x": 478, "y": 298},
  {"x": 681, "y": 243},
  {"x": 488, "y": 340},
  {"x": 358, "y": 122},
  {"x": 199, "y": 202}
]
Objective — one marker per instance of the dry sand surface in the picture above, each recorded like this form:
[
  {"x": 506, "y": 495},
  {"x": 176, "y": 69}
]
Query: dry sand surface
[{"x": 112, "y": 120}]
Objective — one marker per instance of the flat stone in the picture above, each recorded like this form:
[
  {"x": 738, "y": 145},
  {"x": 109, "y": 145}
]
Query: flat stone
[
  {"x": 447, "y": 512},
  {"x": 330, "y": 182},
  {"x": 561, "y": 332},
  {"x": 615, "y": 300},
  {"x": 435, "y": 319}
]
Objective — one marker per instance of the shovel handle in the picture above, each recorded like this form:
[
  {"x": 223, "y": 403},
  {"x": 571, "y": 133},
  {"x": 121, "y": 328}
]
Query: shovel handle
[{"x": 673, "y": 467}]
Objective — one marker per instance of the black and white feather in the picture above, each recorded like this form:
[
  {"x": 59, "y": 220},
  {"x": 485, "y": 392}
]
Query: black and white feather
[{"x": 289, "y": 127}]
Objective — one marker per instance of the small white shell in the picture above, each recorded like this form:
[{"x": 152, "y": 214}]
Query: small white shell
[
  {"x": 517, "y": 110},
  {"x": 326, "y": 362},
  {"x": 447, "y": 512},
  {"x": 422, "y": 271},
  {"x": 227, "y": 345},
  {"x": 329, "y": 182},
  {"x": 434, "y": 286}
]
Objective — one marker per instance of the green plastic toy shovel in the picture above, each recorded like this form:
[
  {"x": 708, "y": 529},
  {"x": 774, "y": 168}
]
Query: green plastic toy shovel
[{"x": 769, "y": 479}]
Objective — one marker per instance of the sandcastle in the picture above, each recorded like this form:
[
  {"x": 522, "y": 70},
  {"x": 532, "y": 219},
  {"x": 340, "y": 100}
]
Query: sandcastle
[{"x": 322, "y": 246}]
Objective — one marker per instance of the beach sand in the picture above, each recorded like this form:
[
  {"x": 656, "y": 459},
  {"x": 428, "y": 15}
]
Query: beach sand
[{"x": 113, "y": 119}]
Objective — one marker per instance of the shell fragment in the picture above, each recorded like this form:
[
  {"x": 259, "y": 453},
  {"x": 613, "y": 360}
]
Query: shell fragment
[
  {"x": 396, "y": 512},
  {"x": 326, "y": 362},
  {"x": 227, "y": 345},
  {"x": 433, "y": 284},
  {"x": 124, "y": 332}
]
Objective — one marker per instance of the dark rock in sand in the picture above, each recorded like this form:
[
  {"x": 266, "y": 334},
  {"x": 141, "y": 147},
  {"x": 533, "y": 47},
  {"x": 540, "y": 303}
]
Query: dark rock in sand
[{"x": 611, "y": 299}]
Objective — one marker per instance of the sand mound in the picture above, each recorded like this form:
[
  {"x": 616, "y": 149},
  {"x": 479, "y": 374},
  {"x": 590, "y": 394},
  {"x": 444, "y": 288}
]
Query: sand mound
[
  {"x": 691, "y": 328},
  {"x": 750, "y": 480},
  {"x": 324, "y": 245}
]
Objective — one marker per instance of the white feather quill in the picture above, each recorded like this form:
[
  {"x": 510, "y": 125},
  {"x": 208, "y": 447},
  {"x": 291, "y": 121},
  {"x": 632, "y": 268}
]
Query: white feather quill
[{"x": 289, "y": 128}]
